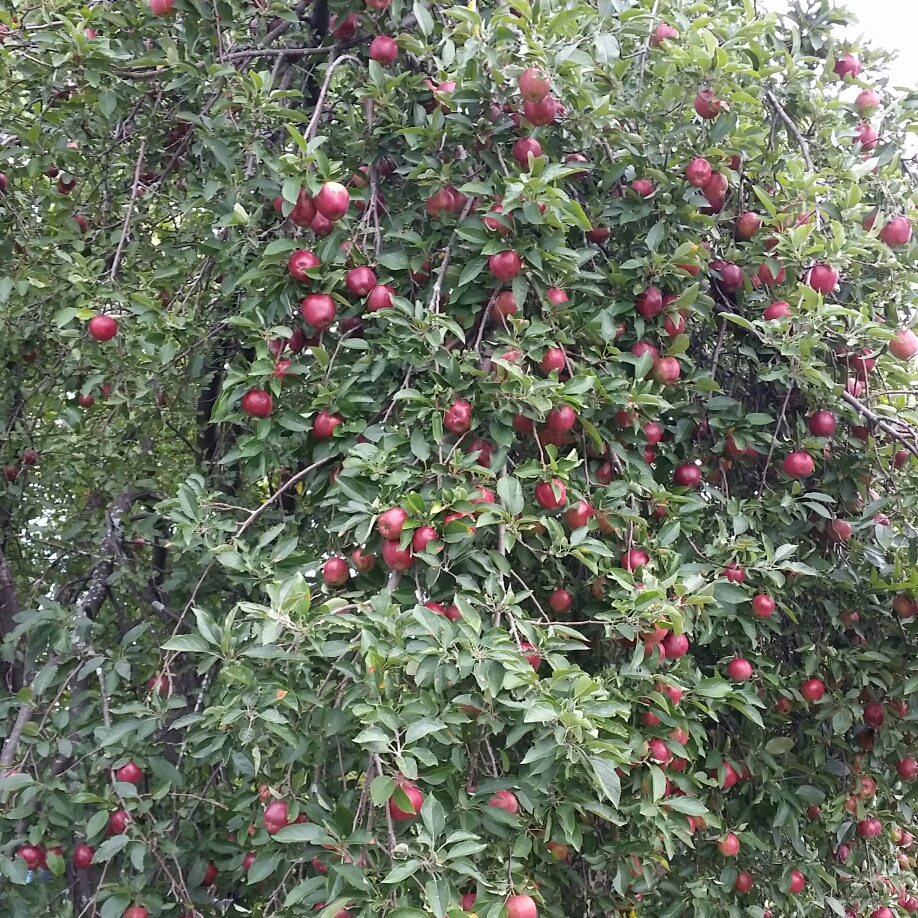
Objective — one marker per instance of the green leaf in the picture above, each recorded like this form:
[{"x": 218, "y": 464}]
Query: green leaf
[
  {"x": 110, "y": 847},
  {"x": 607, "y": 779},
  {"x": 303, "y": 832},
  {"x": 189, "y": 643},
  {"x": 779, "y": 745},
  {"x": 381, "y": 789},
  {"x": 437, "y": 893},
  {"x": 403, "y": 871}
]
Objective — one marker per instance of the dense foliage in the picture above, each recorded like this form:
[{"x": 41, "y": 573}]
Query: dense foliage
[{"x": 469, "y": 472}]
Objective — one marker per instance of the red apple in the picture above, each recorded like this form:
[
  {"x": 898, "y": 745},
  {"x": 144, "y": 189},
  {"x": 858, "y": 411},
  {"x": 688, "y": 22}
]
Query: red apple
[
  {"x": 777, "y": 310},
  {"x": 687, "y": 475},
  {"x": 766, "y": 276},
  {"x": 698, "y": 171},
  {"x": 359, "y": 281},
  {"x": 822, "y": 423},
  {"x": 897, "y": 232},
  {"x": 300, "y": 262},
  {"x": 729, "y": 845},
  {"x": 458, "y": 417},
  {"x": 380, "y": 297},
  {"x": 798, "y": 465},
  {"x": 161, "y": 7},
  {"x": 415, "y": 797},
  {"x": 633, "y": 559},
  {"x": 706, "y": 106},
  {"x": 82, "y": 857},
  {"x": 257, "y": 403},
  {"x": 319, "y": 310},
  {"x": 398, "y": 559},
  {"x": 813, "y": 689},
  {"x": 739, "y": 670},
  {"x": 551, "y": 495},
  {"x": 649, "y": 303},
  {"x": 102, "y": 328},
  {"x": 666, "y": 371},
  {"x": 522, "y": 149},
  {"x": 129, "y": 773},
  {"x": 553, "y": 360},
  {"x": 797, "y": 882},
  {"x": 541, "y": 114},
  {"x": 335, "y": 571},
  {"x": 383, "y": 50},
  {"x": 364, "y": 562},
  {"x": 743, "y": 882},
  {"x": 747, "y": 226},
  {"x": 504, "y": 800},
  {"x": 534, "y": 84},
  {"x": 578, "y": 516},
  {"x": 904, "y": 344},
  {"x": 324, "y": 424},
  {"x": 505, "y": 265},
  {"x": 643, "y": 187},
  {"x": 663, "y": 32},
  {"x": 560, "y": 601},
  {"x": 763, "y": 605},
  {"x": 866, "y": 135},
  {"x": 118, "y": 822},
  {"x": 907, "y": 768},
  {"x": 847, "y": 65},
  {"x": 332, "y": 201},
  {"x": 390, "y": 522},
  {"x": 838, "y": 531},
  {"x": 275, "y": 816},
  {"x": 521, "y": 907}
]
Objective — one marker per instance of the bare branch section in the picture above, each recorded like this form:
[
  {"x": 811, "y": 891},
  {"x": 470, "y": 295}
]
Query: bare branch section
[
  {"x": 795, "y": 131},
  {"x": 333, "y": 64}
]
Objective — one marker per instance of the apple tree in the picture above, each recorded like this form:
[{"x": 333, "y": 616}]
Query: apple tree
[{"x": 456, "y": 459}]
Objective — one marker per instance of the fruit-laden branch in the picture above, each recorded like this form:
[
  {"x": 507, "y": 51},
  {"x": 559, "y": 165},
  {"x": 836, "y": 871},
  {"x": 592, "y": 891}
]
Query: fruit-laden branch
[{"x": 783, "y": 115}]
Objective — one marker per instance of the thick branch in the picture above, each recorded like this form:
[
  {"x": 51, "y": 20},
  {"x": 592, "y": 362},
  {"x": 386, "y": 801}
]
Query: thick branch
[
  {"x": 116, "y": 261},
  {"x": 333, "y": 63},
  {"x": 885, "y": 426}
]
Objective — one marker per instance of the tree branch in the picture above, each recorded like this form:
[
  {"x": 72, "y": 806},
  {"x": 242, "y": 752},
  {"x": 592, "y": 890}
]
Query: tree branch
[
  {"x": 795, "y": 131},
  {"x": 333, "y": 63},
  {"x": 116, "y": 261}
]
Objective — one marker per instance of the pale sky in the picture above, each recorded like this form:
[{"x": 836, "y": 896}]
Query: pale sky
[{"x": 891, "y": 24}]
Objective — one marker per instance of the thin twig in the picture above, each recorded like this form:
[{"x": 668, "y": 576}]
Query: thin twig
[
  {"x": 774, "y": 439},
  {"x": 333, "y": 63},
  {"x": 434, "y": 304},
  {"x": 130, "y": 211},
  {"x": 865, "y": 412},
  {"x": 795, "y": 132}
]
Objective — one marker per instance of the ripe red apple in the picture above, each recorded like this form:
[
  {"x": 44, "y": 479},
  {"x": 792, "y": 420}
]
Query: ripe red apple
[
  {"x": 82, "y": 857},
  {"x": 275, "y": 816},
  {"x": 303, "y": 211},
  {"x": 674, "y": 325},
  {"x": 579, "y": 515},
  {"x": 380, "y": 297},
  {"x": 496, "y": 225},
  {"x": 383, "y": 50},
  {"x": 541, "y": 114},
  {"x": 553, "y": 360},
  {"x": 866, "y": 101},
  {"x": 398, "y": 559},
  {"x": 731, "y": 275},
  {"x": 687, "y": 475},
  {"x": 649, "y": 303},
  {"x": 822, "y": 423},
  {"x": 300, "y": 262},
  {"x": 364, "y": 562},
  {"x": 335, "y": 571},
  {"x": 324, "y": 424},
  {"x": 555, "y": 296},
  {"x": 161, "y": 7},
  {"x": 551, "y": 495},
  {"x": 118, "y": 822},
  {"x": 561, "y": 601},
  {"x": 359, "y": 281},
  {"x": 390, "y": 522},
  {"x": 561, "y": 419},
  {"x": 32, "y": 855},
  {"x": 838, "y": 531},
  {"x": 320, "y": 225},
  {"x": 319, "y": 310},
  {"x": 534, "y": 84},
  {"x": 763, "y": 605},
  {"x": 523, "y": 148},
  {"x": 458, "y": 417},
  {"x": 505, "y": 265},
  {"x": 332, "y": 201},
  {"x": 813, "y": 689},
  {"x": 847, "y": 65},
  {"x": 739, "y": 670},
  {"x": 797, "y": 882},
  {"x": 904, "y": 344},
  {"x": 415, "y": 797},
  {"x": 129, "y": 773},
  {"x": 874, "y": 714},
  {"x": 675, "y": 645},
  {"x": 257, "y": 403},
  {"x": 598, "y": 234},
  {"x": 729, "y": 845},
  {"x": 138, "y": 911},
  {"x": 715, "y": 189},
  {"x": 643, "y": 187},
  {"x": 766, "y": 276},
  {"x": 698, "y": 171},
  {"x": 504, "y": 305},
  {"x": 822, "y": 278},
  {"x": 747, "y": 226},
  {"x": 743, "y": 882},
  {"x": 897, "y": 232},
  {"x": 521, "y": 907},
  {"x": 102, "y": 328},
  {"x": 777, "y": 310},
  {"x": 869, "y": 828},
  {"x": 866, "y": 135},
  {"x": 706, "y": 106},
  {"x": 798, "y": 465},
  {"x": 907, "y": 768},
  {"x": 504, "y": 800},
  {"x": 666, "y": 371},
  {"x": 633, "y": 559},
  {"x": 422, "y": 537},
  {"x": 210, "y": 875},
  {"x": 660, "y": 752}
]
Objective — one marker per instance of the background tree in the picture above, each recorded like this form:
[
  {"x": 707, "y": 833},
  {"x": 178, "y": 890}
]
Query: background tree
[{"x": 456, "y": 458}]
